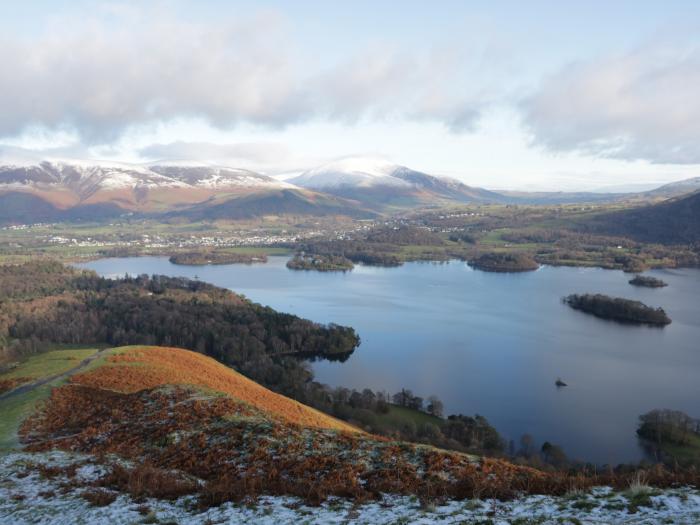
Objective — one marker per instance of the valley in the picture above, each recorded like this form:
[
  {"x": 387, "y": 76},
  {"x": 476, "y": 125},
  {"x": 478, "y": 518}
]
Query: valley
[{"x": 432, "y": 282}]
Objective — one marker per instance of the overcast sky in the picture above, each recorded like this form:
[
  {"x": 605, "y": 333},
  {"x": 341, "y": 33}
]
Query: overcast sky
[{"x": 527, "y": 95}]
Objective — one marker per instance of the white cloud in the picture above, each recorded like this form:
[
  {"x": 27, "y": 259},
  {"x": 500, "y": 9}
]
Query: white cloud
[
  {"x": 268, "y": 157},
  {"x": 100, "y": 75},
  {"x": 382, "y": 82},
  {"x": 639, "y": 105}
]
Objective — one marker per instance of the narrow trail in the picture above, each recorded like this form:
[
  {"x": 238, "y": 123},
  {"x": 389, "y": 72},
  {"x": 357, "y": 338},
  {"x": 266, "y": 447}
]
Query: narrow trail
[{"x": 27, "y": 387}]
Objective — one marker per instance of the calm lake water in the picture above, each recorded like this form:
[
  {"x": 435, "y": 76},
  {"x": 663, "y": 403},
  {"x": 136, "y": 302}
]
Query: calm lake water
[{"x": 492, "y": 344}]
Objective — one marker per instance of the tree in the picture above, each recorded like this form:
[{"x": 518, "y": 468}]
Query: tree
[
  {"x": 527, "y": 445},
  {"x": 403, "y": 397},
  {"x": 435, "y": 406},
  {"x": 415, "y": 402}
]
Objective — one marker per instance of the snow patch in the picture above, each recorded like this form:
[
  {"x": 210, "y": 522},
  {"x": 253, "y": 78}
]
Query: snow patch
[{"x": 26, "y": 497}]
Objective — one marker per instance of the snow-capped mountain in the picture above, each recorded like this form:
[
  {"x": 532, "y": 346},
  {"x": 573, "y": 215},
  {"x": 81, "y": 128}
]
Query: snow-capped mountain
[
  {"x": 217, "y": 177},
  {"x": 380, "y": 182},
  {"x": 131, "y": 186},
  {"x": 351, "y": 172}
]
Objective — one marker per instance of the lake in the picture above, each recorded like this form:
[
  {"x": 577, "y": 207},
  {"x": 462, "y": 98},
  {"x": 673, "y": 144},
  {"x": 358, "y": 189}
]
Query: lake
[{"x": 492, "y": 344}]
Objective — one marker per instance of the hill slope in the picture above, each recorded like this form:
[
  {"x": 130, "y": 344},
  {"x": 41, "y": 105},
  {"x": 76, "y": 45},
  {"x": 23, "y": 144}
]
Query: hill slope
[
  {"x": 164, "y": 423},
  {"x": 137, "y": 368},
  {"x": 675, "y": 221},
  {"x": 129, "y": 187},
  {"x": 179, "y": 417},
  {"x": 287, "y": 201},
  {"x": 675, "y": 189}
]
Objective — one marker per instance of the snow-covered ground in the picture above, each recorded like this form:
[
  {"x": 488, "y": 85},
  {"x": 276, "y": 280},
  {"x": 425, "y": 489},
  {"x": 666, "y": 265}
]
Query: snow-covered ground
[{"x": 28, "y": 497}]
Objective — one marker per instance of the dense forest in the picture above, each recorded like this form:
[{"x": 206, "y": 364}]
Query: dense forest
[
  {"x": 45, "y": 303},
  {"x": 647, "y": 282},
  {"x": 320, "y": 263},
  {"x": 618, "y": 309},
  {"x": 505, "y": 262}
]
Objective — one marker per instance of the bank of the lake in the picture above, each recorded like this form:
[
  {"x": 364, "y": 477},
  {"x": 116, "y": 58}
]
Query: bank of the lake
[{"x": 492, "y": 343}]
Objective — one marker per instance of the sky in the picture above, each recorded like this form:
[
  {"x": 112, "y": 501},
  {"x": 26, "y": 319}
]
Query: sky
[{"x": 502, "y": 94}]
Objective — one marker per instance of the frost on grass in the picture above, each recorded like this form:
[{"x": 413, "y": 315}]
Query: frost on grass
[{"x": 56, "y": 488}]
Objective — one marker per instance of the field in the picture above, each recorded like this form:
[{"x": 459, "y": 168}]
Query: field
[
  {"x": 48, "y": 363},
  {"x": 398, "y": 416}
]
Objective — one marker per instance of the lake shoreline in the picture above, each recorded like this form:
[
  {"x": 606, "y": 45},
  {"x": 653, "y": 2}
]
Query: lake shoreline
[{"x": 475, "y": 340}]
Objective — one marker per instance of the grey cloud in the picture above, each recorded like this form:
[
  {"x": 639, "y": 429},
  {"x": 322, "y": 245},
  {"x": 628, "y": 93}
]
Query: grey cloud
[
  {"x": 101, "y": 78},
  {"x": 639, "y": 105}
]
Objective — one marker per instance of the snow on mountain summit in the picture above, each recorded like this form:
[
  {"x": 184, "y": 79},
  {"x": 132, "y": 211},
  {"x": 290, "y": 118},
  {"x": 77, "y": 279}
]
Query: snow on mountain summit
[
  {"x": 82, "y": 177},
  {"x": 353, "y": 171}
]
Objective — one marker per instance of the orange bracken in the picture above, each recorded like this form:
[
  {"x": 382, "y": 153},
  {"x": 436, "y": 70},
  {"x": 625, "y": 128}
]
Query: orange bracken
[{"x": 138, "y": 368}]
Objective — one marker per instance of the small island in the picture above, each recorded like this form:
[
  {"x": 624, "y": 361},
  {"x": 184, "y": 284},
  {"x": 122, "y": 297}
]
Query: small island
[
  {"x": 648, "y": 282},
  {"x": 505, "y": 262},
  {"x": 320, "y": 263},
  {"x": 216, "y": 257},
  {"x": 618, "y": 309}
]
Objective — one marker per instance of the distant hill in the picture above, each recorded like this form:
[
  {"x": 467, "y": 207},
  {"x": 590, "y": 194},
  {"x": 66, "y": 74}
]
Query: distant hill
[
  {"x": 381, "y": 184},
  {"x": 637, "y": 193},
  {"x": 274, "y": 202},
  {"x": 560, "y": 197},
  {"x": 676, "y": 221},
  {"x": 130, "y": 187},
  {"x": 353, "y": 187},
  {"x": 24, "y": 208},
  {"x": 678, "y": 188}
]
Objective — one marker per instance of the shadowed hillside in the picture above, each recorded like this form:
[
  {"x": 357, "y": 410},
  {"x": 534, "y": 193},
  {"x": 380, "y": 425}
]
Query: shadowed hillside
[
  {"x": 276, "y": 202},
  {"x": 675, "y": 221}
]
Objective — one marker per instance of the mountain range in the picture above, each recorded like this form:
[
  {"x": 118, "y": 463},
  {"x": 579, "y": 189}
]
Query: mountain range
[{"x": 354, "y": 187}]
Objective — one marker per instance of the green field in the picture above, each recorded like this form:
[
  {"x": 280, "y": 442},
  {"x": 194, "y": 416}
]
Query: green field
[
  {"x": 16, "y": 408},
  {"x": 49, "y": 363},
  {"x": 398, "y": 416}
]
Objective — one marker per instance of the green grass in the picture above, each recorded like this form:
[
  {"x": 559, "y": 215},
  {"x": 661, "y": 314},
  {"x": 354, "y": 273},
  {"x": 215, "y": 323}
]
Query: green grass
[
  {"x": 684, "y": 454},
  {"x": 15, "y": 409},
  {"x": 50, "y": 363},
  {"x": 398, "y": 416}
]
